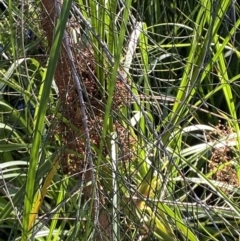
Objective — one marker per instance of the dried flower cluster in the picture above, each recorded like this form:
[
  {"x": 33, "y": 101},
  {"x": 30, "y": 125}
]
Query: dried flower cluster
[
  {"x": 221, "y": 157},
  {"x": 74, "y": 142}
]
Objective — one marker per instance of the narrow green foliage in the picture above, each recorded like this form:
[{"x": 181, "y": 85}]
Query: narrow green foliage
[
  {"x": 40, "y": 116},
  {"x": 165, "y": 161}
]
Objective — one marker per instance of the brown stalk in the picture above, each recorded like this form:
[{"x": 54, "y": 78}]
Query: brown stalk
[{"x": 65, "y": 76}]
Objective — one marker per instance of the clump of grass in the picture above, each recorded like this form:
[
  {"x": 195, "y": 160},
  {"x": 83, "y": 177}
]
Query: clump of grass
[{"x": 133, "y": 135}]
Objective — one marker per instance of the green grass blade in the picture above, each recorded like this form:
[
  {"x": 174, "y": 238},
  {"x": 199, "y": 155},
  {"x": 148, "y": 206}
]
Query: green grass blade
[{"x": 40, "y": 116}]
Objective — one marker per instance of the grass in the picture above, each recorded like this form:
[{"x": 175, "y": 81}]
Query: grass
[{"x": 132, "y": 118}]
